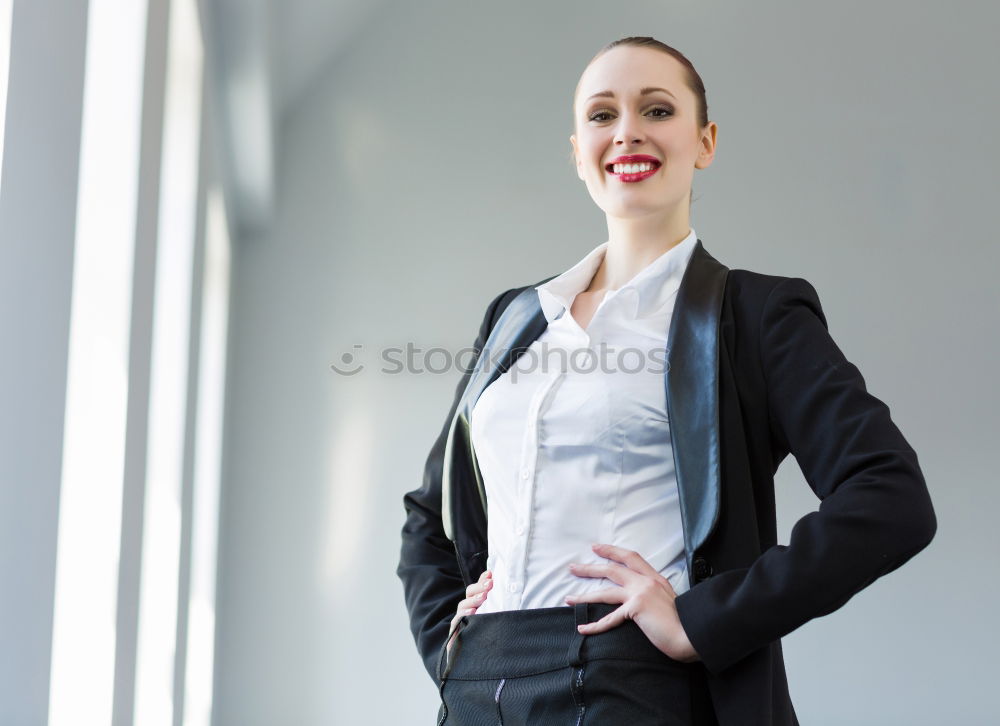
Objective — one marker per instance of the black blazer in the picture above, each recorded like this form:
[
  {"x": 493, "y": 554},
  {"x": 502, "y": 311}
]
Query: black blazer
[{"x": 752, "y": 376}]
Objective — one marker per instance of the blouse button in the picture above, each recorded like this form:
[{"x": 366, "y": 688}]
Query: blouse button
[{"x": 524, "y": 473}]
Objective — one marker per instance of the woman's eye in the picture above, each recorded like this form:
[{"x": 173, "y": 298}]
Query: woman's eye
[{"x": 667, "y": 111}]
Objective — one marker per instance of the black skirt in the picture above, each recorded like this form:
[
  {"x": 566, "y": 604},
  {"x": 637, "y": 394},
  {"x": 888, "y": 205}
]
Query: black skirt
[{"x": 533, "y": 668}]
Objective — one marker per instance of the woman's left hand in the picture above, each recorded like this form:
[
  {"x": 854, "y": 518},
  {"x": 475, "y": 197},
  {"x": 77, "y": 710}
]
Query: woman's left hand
[{"x": 646, "y": 597}]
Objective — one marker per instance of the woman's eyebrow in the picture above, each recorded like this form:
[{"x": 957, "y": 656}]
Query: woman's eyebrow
[{"x": 642, "y": 92}]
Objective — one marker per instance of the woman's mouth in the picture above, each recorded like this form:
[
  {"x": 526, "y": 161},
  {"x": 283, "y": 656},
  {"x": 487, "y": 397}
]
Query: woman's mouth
[{"x": 632, "y": 172}]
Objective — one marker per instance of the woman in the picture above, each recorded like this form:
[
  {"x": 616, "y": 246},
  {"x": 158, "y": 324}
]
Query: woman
[{"x": 675, "y": 614}]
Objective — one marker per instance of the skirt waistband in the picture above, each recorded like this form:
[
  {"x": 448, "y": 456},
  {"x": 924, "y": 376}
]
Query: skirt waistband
[{"x": 513, "y": 643}]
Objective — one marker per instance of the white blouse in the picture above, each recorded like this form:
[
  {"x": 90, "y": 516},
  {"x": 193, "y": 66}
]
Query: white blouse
[{"x": 573, "y": 441}]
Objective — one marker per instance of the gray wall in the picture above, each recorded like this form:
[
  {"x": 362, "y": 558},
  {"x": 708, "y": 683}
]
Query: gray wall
[
  {"x": 428, "y": 171},
  {"x": 37, "y": 217},
  {"x": 38, "y": 213}
]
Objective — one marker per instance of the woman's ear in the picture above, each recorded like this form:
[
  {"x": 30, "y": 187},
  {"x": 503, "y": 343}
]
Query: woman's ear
[
  {"x": 708, "y": 141},
  {"x": 576, "y": 156}
]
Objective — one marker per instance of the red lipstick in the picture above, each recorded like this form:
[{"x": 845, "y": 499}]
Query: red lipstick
[{"x": 633, "y": 159}]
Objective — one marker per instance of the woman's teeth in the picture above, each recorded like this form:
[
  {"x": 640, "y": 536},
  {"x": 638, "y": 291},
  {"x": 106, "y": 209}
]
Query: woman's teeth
[{"x": 631, "y": 168}]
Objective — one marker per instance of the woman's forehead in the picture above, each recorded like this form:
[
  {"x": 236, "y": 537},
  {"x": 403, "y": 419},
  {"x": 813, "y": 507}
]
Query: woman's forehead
[{"x": 623, "y": 72}]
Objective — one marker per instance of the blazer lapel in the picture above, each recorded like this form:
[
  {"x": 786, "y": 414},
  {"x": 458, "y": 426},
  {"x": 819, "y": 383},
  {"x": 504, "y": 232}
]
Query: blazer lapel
[
  {"x": 692, "y": 382},
  {"x": 521, "y": 323},
  {"x": 692, "y": 392}
]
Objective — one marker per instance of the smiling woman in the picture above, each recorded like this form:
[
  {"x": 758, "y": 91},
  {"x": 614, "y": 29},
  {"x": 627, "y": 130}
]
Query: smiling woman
[
  {"x": 629, "y": 514},
  {"x": 671, "y": 116}
]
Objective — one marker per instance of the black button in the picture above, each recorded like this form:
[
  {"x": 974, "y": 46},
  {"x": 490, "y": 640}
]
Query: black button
[{"x": 702, "y": 568}]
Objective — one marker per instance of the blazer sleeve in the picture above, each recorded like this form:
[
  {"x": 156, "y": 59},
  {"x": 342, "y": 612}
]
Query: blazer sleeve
[
  {"x": 428, "y": 562},
  {"x": 875, "y": 511}
]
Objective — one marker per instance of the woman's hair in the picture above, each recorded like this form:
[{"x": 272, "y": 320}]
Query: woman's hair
[{"x": 694, "y": 81}]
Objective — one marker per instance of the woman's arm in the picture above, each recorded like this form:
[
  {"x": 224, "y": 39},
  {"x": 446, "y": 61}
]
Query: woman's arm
[
  {"x": 428, "y": 564},
  {"x": 875, "y": 512}
]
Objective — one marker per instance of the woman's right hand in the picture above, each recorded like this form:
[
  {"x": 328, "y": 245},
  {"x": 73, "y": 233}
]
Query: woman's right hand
[{"x": 475, "y": 595}]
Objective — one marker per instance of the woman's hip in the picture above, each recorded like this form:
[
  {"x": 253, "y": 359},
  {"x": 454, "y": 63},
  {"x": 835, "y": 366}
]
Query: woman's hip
[{"x": 535, "y": 667}]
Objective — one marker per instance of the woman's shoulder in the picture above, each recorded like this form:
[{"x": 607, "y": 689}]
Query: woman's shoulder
[
  {"x": 760, "y": 301},
  {"x": 505, "y": 298},
  {"x": 754, "y": 289},
  {"x": 751, "y": 282}
]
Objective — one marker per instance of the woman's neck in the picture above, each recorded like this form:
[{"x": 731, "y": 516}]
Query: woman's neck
[{"x": 631, "y": 249}]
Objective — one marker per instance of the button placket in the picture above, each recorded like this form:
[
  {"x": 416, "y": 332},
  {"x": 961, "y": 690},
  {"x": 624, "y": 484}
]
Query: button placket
[{"x": 529, "y": 460}]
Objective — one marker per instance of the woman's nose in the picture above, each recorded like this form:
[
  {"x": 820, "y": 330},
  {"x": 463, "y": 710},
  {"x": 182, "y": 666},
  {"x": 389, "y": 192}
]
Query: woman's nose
[{"x": 629, "y": 130}]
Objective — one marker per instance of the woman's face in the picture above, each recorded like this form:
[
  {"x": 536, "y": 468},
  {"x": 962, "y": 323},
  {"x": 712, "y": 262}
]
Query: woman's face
[{"x": 661, "y": 124}]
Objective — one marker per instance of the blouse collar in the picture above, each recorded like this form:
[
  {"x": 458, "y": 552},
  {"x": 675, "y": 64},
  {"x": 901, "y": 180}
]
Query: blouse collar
[{"x": 644, "y": 294}]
